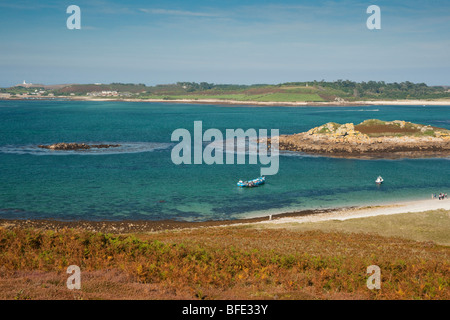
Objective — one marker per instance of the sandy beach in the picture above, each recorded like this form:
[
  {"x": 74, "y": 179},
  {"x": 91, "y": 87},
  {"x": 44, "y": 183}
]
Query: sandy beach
[
  {"x": 224, "y": 102},
  {"x": 408, "y": 102},
  {"x": 317, "y": 215},
  {"x": 285, "y": 103},
  {"x": 369, "y": 211}
]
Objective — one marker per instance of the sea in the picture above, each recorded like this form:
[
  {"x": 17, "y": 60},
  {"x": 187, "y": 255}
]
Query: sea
[{"x": 139, "y": 180}]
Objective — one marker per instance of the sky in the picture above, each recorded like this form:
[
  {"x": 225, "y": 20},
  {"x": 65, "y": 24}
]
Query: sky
[{"x": 223, "y": 41}]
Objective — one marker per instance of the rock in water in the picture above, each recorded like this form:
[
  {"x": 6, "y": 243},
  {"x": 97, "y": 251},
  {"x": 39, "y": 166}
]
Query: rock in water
[
  {"x": 370, "y": 139},
  {"x": 77, "y": 146}
]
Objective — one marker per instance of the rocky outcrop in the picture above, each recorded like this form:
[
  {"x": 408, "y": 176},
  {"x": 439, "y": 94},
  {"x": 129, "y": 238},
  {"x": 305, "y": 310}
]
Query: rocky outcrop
[
  {"x": 77, "y": 146},
  {"x": 374, "y": 139}
]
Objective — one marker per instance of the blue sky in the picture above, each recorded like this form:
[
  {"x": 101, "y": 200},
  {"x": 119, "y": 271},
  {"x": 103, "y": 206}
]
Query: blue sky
[{"x": 227, "y": 41}]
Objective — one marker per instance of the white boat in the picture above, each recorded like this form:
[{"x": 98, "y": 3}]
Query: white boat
[{"x": 379, "y": 180}]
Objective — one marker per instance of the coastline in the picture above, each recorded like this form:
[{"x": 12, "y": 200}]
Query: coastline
[
  {"x": 369, "y": 211},
  {"x": 132, "y": 226},
  {"x": 313, "y": 215},
  {"x": 255, "y": 103},
  {"x": 153, "y": 226},
  {"x": 292, "y": 104}
]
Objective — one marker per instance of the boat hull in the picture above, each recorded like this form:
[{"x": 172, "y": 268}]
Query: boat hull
[{"x": 252, "y": 183}]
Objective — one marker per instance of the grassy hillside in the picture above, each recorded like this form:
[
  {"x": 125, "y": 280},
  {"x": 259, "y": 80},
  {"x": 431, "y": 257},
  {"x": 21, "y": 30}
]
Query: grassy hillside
[
  {"x": 419, "y": 226},
  {"x": 378, "y": 128},
  {"x": 241, "y": 262},
  {"x": 313, "y": 91}
]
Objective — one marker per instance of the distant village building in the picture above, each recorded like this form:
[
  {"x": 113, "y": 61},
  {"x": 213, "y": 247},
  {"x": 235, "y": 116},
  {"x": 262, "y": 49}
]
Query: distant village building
[
  {"x": 103, "y": 94},
  {"x": 109, "y": 93}
]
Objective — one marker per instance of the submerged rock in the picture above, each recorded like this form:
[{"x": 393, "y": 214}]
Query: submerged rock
[{"x": 77, "y": 146}]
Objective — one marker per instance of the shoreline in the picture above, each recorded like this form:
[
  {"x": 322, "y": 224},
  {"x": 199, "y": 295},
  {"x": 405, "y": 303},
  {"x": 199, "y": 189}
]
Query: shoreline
[
  {"x": 369, "y": 211},
  {"x": 255, "y": 103},
  {"x": 132, "y": 226},
  {"x": 312, "y": 215}
]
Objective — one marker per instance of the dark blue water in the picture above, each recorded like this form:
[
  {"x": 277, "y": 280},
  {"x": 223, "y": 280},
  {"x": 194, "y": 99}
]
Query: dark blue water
[{"x": 139, "y": 180}]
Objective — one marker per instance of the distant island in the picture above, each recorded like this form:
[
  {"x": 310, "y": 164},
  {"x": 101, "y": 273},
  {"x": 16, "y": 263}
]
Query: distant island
[
  {"x": 370, "y": 139},
  {"x": 341, "y": 92}
]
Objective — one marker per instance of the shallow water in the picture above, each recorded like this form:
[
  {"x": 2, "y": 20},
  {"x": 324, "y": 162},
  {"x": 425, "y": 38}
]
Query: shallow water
[{"x": 139, "y": 180}]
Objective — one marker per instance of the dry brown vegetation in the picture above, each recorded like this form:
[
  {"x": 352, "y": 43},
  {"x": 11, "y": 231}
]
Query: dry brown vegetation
[
  {"x": 433, "y": 225},
  {"x": 219, "y": 263}
]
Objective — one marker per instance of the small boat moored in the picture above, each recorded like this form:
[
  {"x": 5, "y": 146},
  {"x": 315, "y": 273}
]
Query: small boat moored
[
  {"x": 252, "y": 183},
  {"x": 379, "y": 180}
]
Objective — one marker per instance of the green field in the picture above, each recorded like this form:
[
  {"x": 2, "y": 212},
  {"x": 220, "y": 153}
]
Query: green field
[
  {"x": 290, "y": 97},
  {"x": 275, "y": 97}
]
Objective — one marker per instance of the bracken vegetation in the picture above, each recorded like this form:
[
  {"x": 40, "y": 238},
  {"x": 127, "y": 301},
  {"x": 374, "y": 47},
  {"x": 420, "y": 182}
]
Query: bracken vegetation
[{"x": 220, "y": 263}]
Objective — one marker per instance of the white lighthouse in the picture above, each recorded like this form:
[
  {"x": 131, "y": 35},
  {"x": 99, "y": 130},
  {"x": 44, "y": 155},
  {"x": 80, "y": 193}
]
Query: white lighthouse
[{"x": 25, "y": 84}]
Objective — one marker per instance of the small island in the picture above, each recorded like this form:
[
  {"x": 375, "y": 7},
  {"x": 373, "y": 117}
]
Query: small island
[
  {"x": 370, "y": 139},
  {"x": 77, "y": 146}
]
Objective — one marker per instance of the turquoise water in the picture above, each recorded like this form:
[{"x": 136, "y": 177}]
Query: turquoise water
[{"x": 139, "y": 180}]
